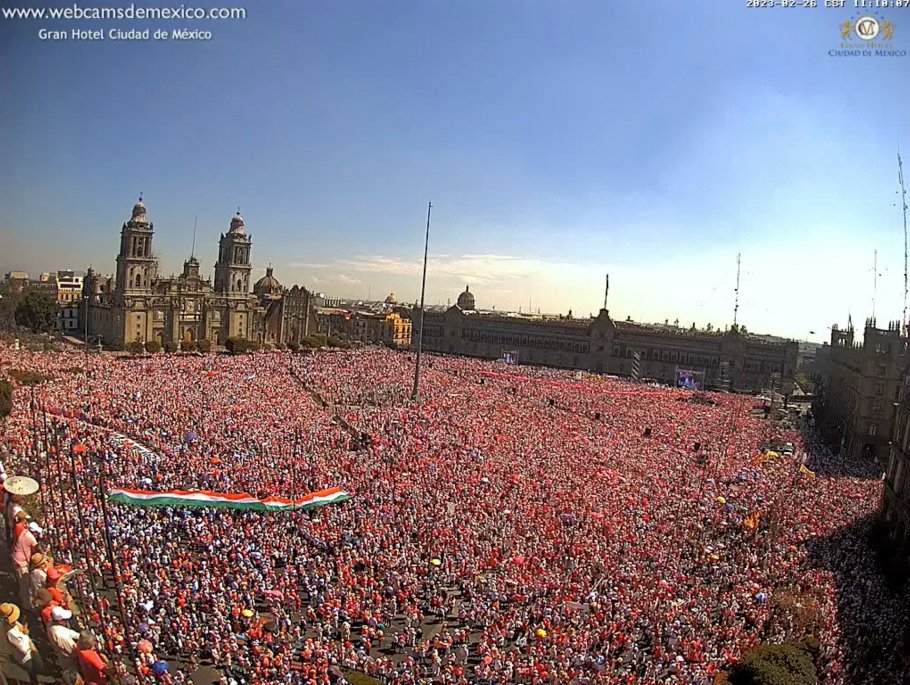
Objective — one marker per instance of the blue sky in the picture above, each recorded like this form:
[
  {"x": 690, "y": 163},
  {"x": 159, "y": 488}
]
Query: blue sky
[{"x": 557, "y": 141}]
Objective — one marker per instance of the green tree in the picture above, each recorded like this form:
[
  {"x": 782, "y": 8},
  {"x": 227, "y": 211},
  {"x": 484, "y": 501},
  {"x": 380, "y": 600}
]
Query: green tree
[
  {"x": 153, "y": 347},
  {"x": 785, "y": 664},
  {"x": 188, "y": 346},
  {"x": 204, "y": 346},
  {"x": 6, "y": 399},
  {"x": 237, "y": 345},
  {"x": 37, "y": 311},
  {"x": 134, "y": 347},
  {"x": 9, "y": 300},
  {"x": 294, "y": 346},
  {"x": 170, "y": 347}
]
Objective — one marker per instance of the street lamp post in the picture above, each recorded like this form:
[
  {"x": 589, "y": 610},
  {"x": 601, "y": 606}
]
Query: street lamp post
[
  {"x": 85, "y": 325},
  {"x": 415, "y": 393}
]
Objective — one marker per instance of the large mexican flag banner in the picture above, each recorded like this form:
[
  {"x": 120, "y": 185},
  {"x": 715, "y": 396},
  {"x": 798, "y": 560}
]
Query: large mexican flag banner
[{"x": 205, "y": 498}]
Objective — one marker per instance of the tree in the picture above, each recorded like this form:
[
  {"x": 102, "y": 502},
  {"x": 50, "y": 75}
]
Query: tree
[
  {"x": 153, "y": 346},
  {"x": 37, "y": 311},
  {"x": 188, "y": 346},
  {"x": 6, "y": 399},
  {"x": 803, "y": 381},
  {"x": 768, "y": 664},
  {"x": 237, "y": 345},
  {"x": 170, "y": 347},
  {"x": 294, "y": 346},
  {"x": 9, "y": 300},
  {"x": 134, "y": 347},
  {"x": 204, "y": 346},
  {"x": 280, "y": 346}
]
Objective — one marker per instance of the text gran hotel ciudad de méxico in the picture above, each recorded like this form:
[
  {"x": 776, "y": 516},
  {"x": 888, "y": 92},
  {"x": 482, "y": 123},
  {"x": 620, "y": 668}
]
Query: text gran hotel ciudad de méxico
[
  {"x": 173, "y": 31},
  {"x": 867, "y": 35}
]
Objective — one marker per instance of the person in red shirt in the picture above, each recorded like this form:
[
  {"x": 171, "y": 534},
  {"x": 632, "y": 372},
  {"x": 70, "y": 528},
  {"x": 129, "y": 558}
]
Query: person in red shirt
[
  {"x": 93, "y": 667},
  {"x": 55, "y": 587}
]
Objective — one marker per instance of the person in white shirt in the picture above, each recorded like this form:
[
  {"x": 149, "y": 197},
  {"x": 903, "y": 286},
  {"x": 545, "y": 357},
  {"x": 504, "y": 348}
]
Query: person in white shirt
[
  {"x": 24, "y": 651},
  {"x": 63, "y": 639}
]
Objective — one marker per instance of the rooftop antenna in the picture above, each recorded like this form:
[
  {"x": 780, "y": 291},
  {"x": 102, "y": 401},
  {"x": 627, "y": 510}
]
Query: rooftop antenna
[
  {"x": 193, "y": 250},
  {"x": 736, "y": 290},
  {"x": 874, "y": 281},
  {"x": 606, "y": 291},
  {"x": 900, "y": 178}
]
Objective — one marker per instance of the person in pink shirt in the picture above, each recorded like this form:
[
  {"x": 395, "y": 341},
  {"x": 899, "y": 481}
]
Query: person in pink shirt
[{"x": 23, "y": 550}]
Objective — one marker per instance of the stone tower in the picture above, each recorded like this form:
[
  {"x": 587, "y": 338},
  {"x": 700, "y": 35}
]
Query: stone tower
[
  {"x": 232, "y": 270},
  {"x": 137, "y": 267}
]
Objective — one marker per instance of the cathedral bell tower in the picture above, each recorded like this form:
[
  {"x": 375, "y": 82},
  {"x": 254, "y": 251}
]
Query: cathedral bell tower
[
  {"x": 232, "y": 270},
  {"x": 137, "y": 267}
]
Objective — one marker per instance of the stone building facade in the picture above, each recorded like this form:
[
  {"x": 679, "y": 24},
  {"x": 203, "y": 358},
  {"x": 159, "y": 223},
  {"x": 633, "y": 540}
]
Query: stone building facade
[
  {"x": 859, "y": 386},
  {"x": 388, "y": 328},
  {"x": 601, "y": 345},
  {"x": 896, "y": 497},
  {"x": 137, "y": 305}
]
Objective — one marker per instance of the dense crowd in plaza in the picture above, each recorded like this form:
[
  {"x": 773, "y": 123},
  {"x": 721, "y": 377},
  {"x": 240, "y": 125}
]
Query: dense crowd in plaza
[{"x": 519, "y": 525}]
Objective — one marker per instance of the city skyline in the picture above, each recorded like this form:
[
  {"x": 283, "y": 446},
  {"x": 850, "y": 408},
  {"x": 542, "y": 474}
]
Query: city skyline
[{"x": 555, "y": 145}]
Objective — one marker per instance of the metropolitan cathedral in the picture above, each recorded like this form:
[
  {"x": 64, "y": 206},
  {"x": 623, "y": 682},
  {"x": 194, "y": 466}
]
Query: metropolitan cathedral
[{"x": 136, "y": 305}]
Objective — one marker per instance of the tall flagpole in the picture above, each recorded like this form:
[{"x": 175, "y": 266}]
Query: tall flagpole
[
  {"x": 415, "y": 393},
  {"x": 900, "y": 177}
]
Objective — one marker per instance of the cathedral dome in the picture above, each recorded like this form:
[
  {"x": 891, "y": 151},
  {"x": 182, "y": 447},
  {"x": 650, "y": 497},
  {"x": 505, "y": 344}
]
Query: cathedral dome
[
  {"x": 466, "y": 300},
  {"x": 391, "y": 299},
  {"x": 237, "y": 224},
  {"x": 139, "y": 212},
  {"x": 267, "y": 285}
]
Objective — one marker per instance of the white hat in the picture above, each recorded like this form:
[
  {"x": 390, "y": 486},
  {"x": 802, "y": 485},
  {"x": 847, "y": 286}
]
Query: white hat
[
  {"x": 35, "y": 528},
  {"x": 61, "y": 614}
]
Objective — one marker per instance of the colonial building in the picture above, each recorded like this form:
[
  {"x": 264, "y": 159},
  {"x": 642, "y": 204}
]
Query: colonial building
[
  {"x": 896, "y": 498},
  {"x": 858, "y": 386},
  {"x": 388, "y": 328},
  {"x": 289, "y": 313},
  {"x": 137, "y": 305},
  {"x": 601, "y": 345}
]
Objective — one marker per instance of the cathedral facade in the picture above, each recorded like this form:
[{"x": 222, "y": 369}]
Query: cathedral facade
[{"x": 137, "y": 305}]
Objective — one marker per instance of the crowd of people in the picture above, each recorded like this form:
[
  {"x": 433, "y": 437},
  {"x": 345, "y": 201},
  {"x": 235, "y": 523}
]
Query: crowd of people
[{"x": 517, "y": 525}]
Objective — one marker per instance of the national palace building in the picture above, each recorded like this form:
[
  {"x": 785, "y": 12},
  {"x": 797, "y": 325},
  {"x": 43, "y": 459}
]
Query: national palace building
[
  {"x": 138, "y": 305},
  {"x": 599, "y": 344}
]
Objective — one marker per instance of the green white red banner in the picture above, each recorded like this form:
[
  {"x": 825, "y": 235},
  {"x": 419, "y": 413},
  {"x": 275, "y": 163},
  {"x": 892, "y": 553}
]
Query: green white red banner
[{"x": 205, "y": 498}]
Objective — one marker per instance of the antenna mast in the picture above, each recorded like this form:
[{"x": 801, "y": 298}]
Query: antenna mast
[
  {"x": 193, "y": 250},
  {"x": 736, "y": 303},
  {"x": 900, "y": 178},
  {"x": 874, "y": 281}
]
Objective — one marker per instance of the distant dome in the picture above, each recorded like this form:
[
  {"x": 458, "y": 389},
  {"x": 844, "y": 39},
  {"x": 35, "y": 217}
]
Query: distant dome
[
  {"x": 466, "y": 300},
  {"x": 237, "y": 223},
  {"x": 139, "y": 212},
  {"x": 391, "y": 299},
  {"x": 267, "y": 285}
]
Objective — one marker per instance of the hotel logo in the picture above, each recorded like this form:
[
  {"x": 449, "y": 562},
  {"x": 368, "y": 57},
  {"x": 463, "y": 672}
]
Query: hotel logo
[{"x": 867, "y": 36}]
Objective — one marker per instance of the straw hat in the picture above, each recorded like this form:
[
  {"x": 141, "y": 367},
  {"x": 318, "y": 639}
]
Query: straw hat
[
  {"x": 10, "y": 612},
  {"x": 21, "y": 485}
]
